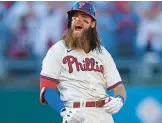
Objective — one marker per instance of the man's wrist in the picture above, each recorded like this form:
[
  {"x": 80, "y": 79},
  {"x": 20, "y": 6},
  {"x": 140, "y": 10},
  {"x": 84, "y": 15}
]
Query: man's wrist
[{"x": 121, "y": 97}]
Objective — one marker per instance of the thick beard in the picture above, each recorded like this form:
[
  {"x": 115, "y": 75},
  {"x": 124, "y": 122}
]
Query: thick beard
[{"x": 77, "y": 41}]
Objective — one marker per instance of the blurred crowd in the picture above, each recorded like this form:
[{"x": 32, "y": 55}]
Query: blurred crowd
[
  {"x": 127, "y": 29},
  {"x": 28, "y": 29}
]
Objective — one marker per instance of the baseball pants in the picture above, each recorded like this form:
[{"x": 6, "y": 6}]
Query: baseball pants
[{"x": 95, "y": 115}]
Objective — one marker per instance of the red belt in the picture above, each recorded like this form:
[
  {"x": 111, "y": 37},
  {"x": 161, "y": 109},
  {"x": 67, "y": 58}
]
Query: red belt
[{"x": 90, "y": 104}]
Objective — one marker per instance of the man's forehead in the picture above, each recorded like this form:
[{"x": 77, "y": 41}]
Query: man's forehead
[{"x": 81, "y": 13}]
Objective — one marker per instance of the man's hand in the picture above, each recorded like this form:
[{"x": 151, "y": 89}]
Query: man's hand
[
  {"x": 71, "y": 116},
  {"x": 113, "y": 105}
]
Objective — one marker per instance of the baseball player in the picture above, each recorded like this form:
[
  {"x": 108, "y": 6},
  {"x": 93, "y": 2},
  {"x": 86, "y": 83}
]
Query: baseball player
[{"x": 81, "y": 70}]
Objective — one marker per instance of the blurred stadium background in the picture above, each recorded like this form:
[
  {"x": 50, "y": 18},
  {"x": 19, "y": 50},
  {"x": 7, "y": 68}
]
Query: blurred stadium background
[{"x": 130, "y": 31}]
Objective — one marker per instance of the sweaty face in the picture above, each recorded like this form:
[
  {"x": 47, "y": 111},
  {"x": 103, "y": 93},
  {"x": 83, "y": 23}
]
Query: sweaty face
[
  {"x": 81, "y": 22},
  {"x": 81, "y": 30}
]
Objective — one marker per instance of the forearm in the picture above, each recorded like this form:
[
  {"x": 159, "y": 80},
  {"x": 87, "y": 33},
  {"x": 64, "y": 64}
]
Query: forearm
[
  {"x": 120, "y": 91},
  {"x": 53, "y": 99},
  {"x": 114, "y": 104}
]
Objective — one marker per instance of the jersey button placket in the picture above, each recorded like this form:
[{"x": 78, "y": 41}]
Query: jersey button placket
[
  {"x": 86, "y": 71},
  {"x": 89, "y": 76}
]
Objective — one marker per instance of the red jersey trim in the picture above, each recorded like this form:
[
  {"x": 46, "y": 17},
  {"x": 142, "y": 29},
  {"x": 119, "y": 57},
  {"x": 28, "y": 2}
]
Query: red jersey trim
[
  {"x": 44, "y": 83},
  {"x": 115, "y": 85}
]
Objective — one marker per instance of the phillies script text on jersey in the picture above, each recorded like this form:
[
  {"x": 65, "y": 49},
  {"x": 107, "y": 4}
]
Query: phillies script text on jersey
[{"x": 89, "y": 64}]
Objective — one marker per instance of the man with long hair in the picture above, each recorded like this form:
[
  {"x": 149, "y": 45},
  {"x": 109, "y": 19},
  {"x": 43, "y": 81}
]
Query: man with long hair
[{"x": 81, "y": 70}]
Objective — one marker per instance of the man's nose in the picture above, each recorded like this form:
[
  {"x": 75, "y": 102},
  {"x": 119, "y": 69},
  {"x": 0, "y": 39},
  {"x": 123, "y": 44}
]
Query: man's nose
[{"x": 78, "y": 18}]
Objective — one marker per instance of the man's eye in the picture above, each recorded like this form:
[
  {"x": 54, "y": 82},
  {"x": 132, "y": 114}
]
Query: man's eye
[
  {"x": 84, "y": 16},
  {"x": 73, "y": 18},
  {"x": 86, "y": 21}
]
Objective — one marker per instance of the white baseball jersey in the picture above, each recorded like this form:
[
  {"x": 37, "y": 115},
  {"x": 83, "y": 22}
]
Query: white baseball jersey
[{"x": 80, "y": 75}]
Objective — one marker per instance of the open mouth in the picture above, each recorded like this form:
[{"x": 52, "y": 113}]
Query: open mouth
[{"x": 78, "y": 28}]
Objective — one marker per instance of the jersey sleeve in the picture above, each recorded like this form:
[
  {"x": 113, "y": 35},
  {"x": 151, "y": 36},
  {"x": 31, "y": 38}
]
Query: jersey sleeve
[
  {"x": 51, "y": 67},
  {"x": 111, "y": 72}
]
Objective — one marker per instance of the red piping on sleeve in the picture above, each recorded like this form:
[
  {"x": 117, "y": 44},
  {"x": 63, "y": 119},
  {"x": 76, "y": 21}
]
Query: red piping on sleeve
[{"x": 44, "y": 83}]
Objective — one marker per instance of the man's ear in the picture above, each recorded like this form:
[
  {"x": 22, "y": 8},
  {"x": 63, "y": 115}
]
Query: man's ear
[{"x": 93, "y": 24}]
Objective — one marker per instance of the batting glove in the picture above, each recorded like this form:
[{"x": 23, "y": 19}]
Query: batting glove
[
  {"x": 71, "y": 116},
  {"x": 113, "y": 105}
]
